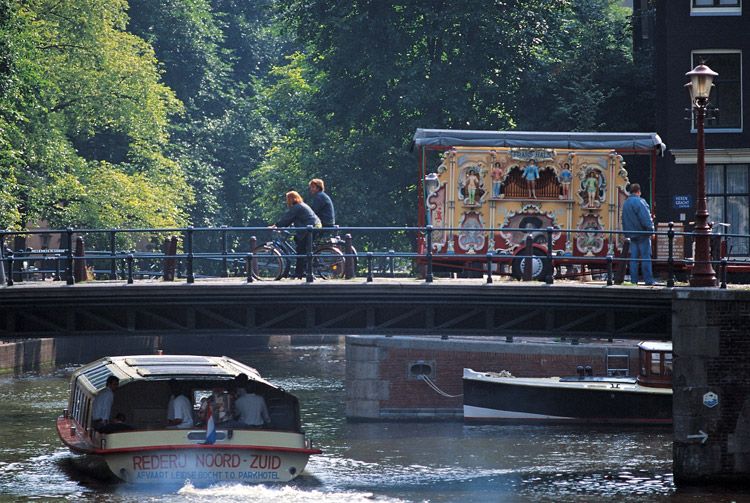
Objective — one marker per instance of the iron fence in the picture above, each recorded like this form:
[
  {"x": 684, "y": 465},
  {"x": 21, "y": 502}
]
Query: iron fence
[{"x": 228, "y": 252}]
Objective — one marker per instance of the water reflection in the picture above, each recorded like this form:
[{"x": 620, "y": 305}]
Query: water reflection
[{"x": 389, "y": 462}]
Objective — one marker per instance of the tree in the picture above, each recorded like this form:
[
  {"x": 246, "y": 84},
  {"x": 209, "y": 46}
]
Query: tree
[
  {"x": 86, "y": 107},
  {"x": 370, "y": 73},
  {"x": 586, "y": 79}
]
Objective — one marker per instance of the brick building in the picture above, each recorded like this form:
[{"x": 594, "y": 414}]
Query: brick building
[{"x": 683, "y": 34}]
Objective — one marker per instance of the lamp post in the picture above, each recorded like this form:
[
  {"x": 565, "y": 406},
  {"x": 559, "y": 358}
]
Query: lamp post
[{"x": 701, "y": 81}]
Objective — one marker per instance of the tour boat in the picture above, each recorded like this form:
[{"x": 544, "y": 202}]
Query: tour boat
[
  {"x": 647, "y": 399},
  {"x": 147, "y": 451}
]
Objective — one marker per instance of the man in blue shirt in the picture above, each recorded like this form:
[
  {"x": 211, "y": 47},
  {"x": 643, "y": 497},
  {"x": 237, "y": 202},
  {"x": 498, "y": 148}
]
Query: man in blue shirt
[
  {"x": 321, "y": 204},
  {"x": 638, "y": 227}
]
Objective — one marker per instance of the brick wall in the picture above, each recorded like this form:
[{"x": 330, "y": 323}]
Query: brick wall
[
  {"x": 33, "y": 355},
  {"x": 712, "y": 354},
  {"x": 379, "y": 382}
]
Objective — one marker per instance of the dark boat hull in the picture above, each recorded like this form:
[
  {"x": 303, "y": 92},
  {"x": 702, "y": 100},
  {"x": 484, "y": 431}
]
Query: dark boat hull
[{"x": 505, "y": 401}]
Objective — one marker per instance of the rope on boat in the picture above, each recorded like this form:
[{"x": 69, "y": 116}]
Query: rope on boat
[{"x": 436, "y": 389}]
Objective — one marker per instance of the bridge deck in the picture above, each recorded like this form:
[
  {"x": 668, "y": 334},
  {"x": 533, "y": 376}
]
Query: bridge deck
[{"x": 386, "y": 306}]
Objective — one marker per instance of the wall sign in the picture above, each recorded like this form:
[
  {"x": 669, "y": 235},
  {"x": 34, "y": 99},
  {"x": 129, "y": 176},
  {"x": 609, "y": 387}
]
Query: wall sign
[
  {"x": 710, "y": 399},
  {"x": 682, "y": 201}
]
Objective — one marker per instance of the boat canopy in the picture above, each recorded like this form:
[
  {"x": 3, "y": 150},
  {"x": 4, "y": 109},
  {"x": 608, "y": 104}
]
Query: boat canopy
[
  {"x": 528, "y": 139},
  {"x": 655, "y": 345},
  {"x": 162, "y": 367}
]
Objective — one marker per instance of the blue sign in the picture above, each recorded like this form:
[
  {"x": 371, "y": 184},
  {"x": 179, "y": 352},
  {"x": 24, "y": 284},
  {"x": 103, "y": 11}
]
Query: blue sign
[{"x": 682, "y": 202}]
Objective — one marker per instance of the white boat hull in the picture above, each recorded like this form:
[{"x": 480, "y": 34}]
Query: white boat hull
[{"x": 206, "y": 466}]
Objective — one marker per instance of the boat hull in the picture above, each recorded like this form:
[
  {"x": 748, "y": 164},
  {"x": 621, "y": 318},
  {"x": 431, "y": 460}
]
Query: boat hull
[
  {"x": 205, "y": 466},
  {"x": 176, "y": 456},
  {"x": 545, "y": 400}
]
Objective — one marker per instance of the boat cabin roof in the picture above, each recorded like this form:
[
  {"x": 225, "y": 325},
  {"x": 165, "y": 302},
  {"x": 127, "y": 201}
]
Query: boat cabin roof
[
  {"x": 655, "y": 345},
  {"x": 162, "y": 367}
]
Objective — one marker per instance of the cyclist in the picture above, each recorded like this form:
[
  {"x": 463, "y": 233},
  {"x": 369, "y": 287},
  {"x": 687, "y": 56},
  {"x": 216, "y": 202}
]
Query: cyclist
[
  {"x": 299, "y": 215},
  {"x": 321, "y": 203}
]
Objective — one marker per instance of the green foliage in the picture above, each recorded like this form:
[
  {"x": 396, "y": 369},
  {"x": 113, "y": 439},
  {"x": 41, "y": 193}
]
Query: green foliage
[
  {"x": 160, "y": 112},
  {"x": 346, "y": 106},
  {"x": 587, "y": 78},
  {"x": 85, "y": 108}
]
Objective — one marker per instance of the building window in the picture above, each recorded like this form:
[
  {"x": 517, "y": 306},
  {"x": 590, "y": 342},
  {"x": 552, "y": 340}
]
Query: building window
[
  {"x": 716, "y": 8},
  {"x": 725, "y": 102},
  {"x": 728, "y": 193}
]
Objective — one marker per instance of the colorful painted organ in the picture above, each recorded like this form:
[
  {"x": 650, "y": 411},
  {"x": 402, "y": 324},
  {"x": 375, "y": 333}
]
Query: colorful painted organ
[{"x": 486, "y": 182}]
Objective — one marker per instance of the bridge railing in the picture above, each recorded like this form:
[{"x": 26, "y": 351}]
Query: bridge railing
[{"x": 195, "y": 253}]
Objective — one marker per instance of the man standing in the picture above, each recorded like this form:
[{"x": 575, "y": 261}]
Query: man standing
[
  {"x": 638, "y": 227},
  {"x": 103, "y": 406},
  {"x": 321, "y": 204}
]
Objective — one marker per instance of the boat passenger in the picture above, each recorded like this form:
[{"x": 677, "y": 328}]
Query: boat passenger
[
  {"x": 119, "y": 423},
  {"x": 179, "y": 409},
  {"x": 251, "y": 408},
  {"x": 102, "y": 407}
]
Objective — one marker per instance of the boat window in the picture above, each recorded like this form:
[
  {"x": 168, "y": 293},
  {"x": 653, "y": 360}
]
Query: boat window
[
  {"x": 78, "y": 405},
  {"x": 668, "y": 364},
  {"x": 98, "y": 375},
  {"x": 198, "y": 396},
  {"x": 655, "y": 363}
]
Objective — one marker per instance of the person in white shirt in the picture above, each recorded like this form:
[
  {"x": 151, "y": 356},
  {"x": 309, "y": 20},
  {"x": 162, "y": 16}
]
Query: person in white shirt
[
  {"x": 251, "y": 409},
  {"x": 179, "y": 409},
  {"x": 102, "y": 407}
]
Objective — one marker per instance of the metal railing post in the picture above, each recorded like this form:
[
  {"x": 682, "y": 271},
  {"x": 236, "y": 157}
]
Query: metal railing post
[
  {"x": 670, "y": 257},
  {"x": 113, "y": 254},
  {"x": 3, "y": 279},
  {"x": 428, "y": 275},
  {"x": 224, "y": 262},
  {"x": 391, "y": 256},
  {"x": 69, "y": 267},
  {"x": 79, "y": 272},
  {"x": 249, "y": 267},
  {"x": 169, "y": 264},
  {"x": 309, "y": 252},
  {"x": 349, "y": 271},
  {"x": 724, "y": 263},
  {"x": 489, "y": 267},
  {"x": 610, "y": 278},
  {"x": 189, "y": 250},
  {"x": 129, "y": 261},
  {"x": 369, "y": 267},
  {"x": 58, "y": 268},
  {"x": 9, "y": 276},
  {"x": 549, "y": 279},
  {"x": 623, "y": 263},
  {"x": 527, "y": 260}
]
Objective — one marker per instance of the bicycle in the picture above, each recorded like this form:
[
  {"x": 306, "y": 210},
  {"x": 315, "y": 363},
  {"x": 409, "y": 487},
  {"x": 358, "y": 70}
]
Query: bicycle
[{"x": 273, "y": 260}]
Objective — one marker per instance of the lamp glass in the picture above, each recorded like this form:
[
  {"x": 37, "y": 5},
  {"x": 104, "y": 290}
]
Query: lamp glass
[
  {"x": 689, "y": 87},
  {"x": 702, "y": 83}
]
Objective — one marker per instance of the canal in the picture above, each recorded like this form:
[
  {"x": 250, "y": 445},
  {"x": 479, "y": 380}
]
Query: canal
[{"x": 390, "y": 462}]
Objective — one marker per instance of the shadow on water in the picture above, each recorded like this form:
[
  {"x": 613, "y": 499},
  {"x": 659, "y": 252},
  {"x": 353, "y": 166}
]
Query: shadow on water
[{"x": 388, "y": 462}]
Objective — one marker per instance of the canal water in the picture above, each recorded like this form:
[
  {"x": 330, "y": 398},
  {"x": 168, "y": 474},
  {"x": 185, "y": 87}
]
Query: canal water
[{"x": 362, "y": 462}]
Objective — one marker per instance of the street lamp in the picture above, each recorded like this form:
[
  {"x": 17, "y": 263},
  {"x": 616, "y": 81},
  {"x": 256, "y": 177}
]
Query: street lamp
[{"x": 701, "y": 81}]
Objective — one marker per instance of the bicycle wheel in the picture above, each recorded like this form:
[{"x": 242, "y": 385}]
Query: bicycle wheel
[
  {"x": 328, "y": 263},
  {"x": 268, "y": 264}
]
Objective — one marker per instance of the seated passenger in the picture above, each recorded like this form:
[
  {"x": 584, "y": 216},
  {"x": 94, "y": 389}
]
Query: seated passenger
[
  {"x": 119, "y": 424},
  {"x": 251, "y": 409},
  {"x": 179, "y": 409}
]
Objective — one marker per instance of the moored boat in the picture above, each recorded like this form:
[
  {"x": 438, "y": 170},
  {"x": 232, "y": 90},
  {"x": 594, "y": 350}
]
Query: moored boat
[
  {"x": 143, "y": 449},
  {"x": 647, "y": 399}
]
